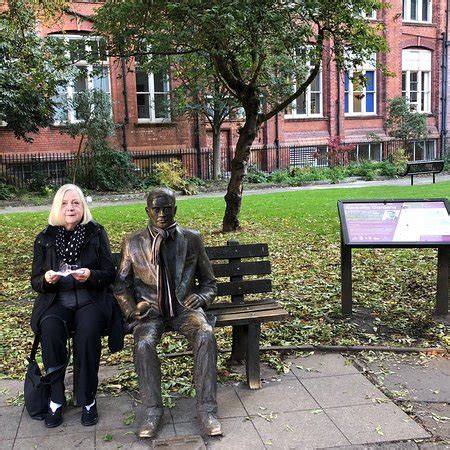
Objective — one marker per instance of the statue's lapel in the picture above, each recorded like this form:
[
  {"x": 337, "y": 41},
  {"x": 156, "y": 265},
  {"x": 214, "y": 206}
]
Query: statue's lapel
[{"x": 181, "y": 247}]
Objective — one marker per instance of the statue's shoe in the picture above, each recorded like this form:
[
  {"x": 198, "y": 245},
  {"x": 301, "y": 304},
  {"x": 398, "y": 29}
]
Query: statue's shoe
[
  {"x": 149, "y": 426},
  {"x": 210, "y": 424}
]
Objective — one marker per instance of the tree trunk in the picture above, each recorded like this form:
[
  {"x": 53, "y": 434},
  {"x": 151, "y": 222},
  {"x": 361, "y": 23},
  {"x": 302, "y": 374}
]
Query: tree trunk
[
  {"x": 233, "y": 197},
  {"x": 217, "y": 168}
]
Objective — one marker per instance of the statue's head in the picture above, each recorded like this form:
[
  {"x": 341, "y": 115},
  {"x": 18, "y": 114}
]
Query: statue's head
[{"x": 161, "y": 208}]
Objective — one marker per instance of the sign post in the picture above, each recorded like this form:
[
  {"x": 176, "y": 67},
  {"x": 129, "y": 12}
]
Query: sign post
[{"x": 418, "y": 223}]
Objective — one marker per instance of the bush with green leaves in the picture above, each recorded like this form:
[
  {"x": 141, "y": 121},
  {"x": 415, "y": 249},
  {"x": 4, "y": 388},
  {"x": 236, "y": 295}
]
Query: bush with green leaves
[
  {"x": 303, "y": 175},
  {"x": 39, "y": 183},
  {"x": 7, "y": 191},
  {"x": 254, "y": 175},
  {"x": 279, "y": 176},
  {"x": 104, "y": 168},
  {"x": 172, "y": 175}
]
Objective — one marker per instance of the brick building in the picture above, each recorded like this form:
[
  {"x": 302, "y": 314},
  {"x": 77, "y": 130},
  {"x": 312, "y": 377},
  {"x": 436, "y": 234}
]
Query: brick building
[{"x": 334, "y": 105}]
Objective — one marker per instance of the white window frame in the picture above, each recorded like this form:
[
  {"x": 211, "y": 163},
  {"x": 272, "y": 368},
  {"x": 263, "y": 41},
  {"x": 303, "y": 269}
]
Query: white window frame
[
  {"x": 151, "y": 93},
  {"x": 407, "y": 9},
  {"x": 371, "y": 150},
  {"x": 90, "y": 71},
  {"x": 424, "y": 143},
  {"x": 292, "y": 114},
  {"x": 417, "y": 61},
  {"x": 372, "y": 15},
  {"x": 369, "y": 66}
]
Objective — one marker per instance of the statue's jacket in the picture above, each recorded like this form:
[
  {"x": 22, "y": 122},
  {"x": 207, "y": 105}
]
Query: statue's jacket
[{"x": 137, "y": 277}]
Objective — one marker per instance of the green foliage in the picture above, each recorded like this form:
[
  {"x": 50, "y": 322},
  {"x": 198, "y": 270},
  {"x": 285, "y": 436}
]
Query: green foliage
[
  {"x": 279, "y": 176},
  {"x": 304, "y": 175},
  {"x": 254, "y": 175},
  {"x": 40, "y": 183},
  {"x": 31, "y": 69},
  {"x": 7, "y": 191},
  {"x": 336, "y": 174},
  {"x": 104, "y": 168},
  {"x": 171, "y": 174},
  {"x": 404, "y": 123}
]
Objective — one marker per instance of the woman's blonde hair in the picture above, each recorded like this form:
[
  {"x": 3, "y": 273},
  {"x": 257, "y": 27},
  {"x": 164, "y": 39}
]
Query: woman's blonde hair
[{"x": 54, "y": 217}]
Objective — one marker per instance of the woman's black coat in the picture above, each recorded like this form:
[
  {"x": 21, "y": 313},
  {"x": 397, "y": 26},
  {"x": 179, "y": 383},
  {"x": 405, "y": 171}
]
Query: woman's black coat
[{"x": 97, "y": 257}]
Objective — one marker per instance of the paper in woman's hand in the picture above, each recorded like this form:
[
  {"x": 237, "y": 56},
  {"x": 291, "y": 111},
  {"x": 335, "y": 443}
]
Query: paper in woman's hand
[{"x": 67, "y": 269}]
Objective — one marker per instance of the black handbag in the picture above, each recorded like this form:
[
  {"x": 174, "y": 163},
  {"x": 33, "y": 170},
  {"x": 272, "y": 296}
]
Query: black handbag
[{"x": 37, "y": 386}]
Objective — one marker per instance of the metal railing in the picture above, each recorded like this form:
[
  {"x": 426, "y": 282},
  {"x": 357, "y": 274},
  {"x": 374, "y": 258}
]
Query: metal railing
[{"x": 22, "y": 170}]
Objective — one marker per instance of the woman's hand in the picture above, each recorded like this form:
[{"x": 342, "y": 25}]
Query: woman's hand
[
  {"x": 82, "y": 275},
  {"x": 51, "y": 277}
]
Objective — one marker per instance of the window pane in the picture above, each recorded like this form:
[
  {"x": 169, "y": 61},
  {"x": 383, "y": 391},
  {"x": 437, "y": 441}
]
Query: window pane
[
  {"x": 315, "y": 85},
  {"x": 142, "y": 82},
  {"x": 375, "y": 152},
  {"x": 419, "y": 150},
  {"x": 315, "y": 103},
  {"x": 357, "y": 104},
  {"x": 404, "y": 9},
  {"x": 101, "y": 81},
  {"x": 370, "y": 104},
  {"x": 300, "y": 104},
  {"x": 159, "y": 82},
  {"x": 77, "y": 50},
  {"x": 413, "y": 9},
  {"x": 425, "y": 17},
  {"x": 430, "y": 150},
  {"x": 60, "y": 108},
  {"x": 81, "y": 82},
  {"x": 161, "y": 106},
  {"x": 346, "y": 81},
  {"x": 370, "y": 80},
  {"x": 346, "y": 102},
  {"x": 143, "y": 103},
  {"x": 363, "y": 151}
]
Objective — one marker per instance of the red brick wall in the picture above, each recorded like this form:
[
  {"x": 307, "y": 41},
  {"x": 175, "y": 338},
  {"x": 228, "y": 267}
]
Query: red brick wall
[{"x": 180, "y": 133}]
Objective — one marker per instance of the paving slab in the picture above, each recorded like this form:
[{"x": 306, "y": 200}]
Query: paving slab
[
  {"x": 228, "y": 402},
  {"x": 385, "y": 446},
  {"x": 85, "y": 440},
  {"x": 374, "y": 422},
  {"x": 114, "y": 411},
  {"x": 343, "y": 390},
  {"x": 9, "y": 422},
  {"x": 435, "y": 417},
  {"x": 239, "y": 433},
  {"x": 424, "y": 381},
  {"x": 299, "y": 429},
  {"x": 9, "y": 390},
  {"x": 321, "y": 365},
  {"x": 290, "y": 395}
]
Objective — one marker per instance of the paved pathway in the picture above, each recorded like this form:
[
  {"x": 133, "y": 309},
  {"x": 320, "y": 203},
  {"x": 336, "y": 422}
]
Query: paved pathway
[
  {"x": 140, "y": 198},
  {"x": 323, "y": 402}
]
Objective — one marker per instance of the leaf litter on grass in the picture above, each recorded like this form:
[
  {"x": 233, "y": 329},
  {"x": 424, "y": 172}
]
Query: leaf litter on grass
[{"x": 393, "y": 289}]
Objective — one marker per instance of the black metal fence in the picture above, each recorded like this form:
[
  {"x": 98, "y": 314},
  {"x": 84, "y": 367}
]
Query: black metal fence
[{"x": 22, "y": 169}]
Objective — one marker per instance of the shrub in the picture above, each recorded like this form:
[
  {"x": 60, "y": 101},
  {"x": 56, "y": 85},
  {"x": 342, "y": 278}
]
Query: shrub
[
  {"x": 254, "y": 175},
  {"x": 171, "y": 174},
  {"x": 279, "y": 176},
  {"x": 105, "y": 169},
  {"x": 336, "y": 174},
  {"x": 387, "y": 169},
  {"x": 366, "y": 169},
  {"x": 303, "y": 175},
  {"x": 40, "y": 183},
  {"x": 7, "y": 191}
]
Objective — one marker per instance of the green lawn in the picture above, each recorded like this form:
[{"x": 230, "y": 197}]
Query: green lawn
[{"x": 394, "y": 290}]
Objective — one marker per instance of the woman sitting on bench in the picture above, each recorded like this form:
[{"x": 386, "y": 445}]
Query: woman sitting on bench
[{"x": 72, "y": 269}]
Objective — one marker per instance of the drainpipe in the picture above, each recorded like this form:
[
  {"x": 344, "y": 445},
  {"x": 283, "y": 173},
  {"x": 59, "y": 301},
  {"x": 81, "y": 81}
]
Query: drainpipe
[
  {"x": 338, "y": 102},
  {"x": 126, "y": 118},
  {"x": 444, "y": 68},
  {"x": 277, "y": 141}
]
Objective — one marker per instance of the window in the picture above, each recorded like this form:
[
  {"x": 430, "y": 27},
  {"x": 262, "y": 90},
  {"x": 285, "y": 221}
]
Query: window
[
  {"x": 308, "y": 104},
  {"x": 88, "y": 55},
  {"x": 360, "y": 90},
  {"x": 308, "y": 156},
  {"x": 416, "y": 78},
  {"x": 152, "y": 90},
  {"x": 367, "y": 152},
  {"x": 371, "y": 15},
  {"x": 417, "y": 10},
  {"x": 421, "y": 150}
]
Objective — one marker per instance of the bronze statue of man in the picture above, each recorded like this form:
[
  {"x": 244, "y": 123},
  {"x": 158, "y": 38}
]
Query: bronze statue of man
[{"x": 165, "y": 282}]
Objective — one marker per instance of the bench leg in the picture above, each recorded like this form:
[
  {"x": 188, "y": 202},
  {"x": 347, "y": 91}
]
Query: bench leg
[
  {"x": 412, "y": 180},
  {"x": 434, "y": 177},
  {"x": 252, "y": 360},
  {"x": 239, "y": 344}
]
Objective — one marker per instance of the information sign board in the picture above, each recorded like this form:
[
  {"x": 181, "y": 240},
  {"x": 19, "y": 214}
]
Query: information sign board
[{"x": 396, "y": 223}]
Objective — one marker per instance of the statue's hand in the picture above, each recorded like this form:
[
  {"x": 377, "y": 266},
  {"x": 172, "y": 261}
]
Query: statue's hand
[{"x": 194, "y": 301}]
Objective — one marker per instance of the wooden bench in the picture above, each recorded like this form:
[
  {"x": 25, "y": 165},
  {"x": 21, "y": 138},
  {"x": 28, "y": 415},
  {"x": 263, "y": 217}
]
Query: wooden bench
[
  {"x": 423, "y": 167},
  {"x": 244, "y": 316}
]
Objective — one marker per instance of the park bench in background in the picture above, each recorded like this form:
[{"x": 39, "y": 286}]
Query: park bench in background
[{"x": 423, "y": 167}]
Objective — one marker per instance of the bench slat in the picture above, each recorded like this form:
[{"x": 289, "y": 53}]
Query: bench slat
[
  {"x": 259, "y": 316},
  {"x": 235, "y": 308},
  {"x": 244, "y": 287},
  {"x": 237, "y": 251},
  {"x": 221, "y": 305},
  {"x": 242, "y": 268}
]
